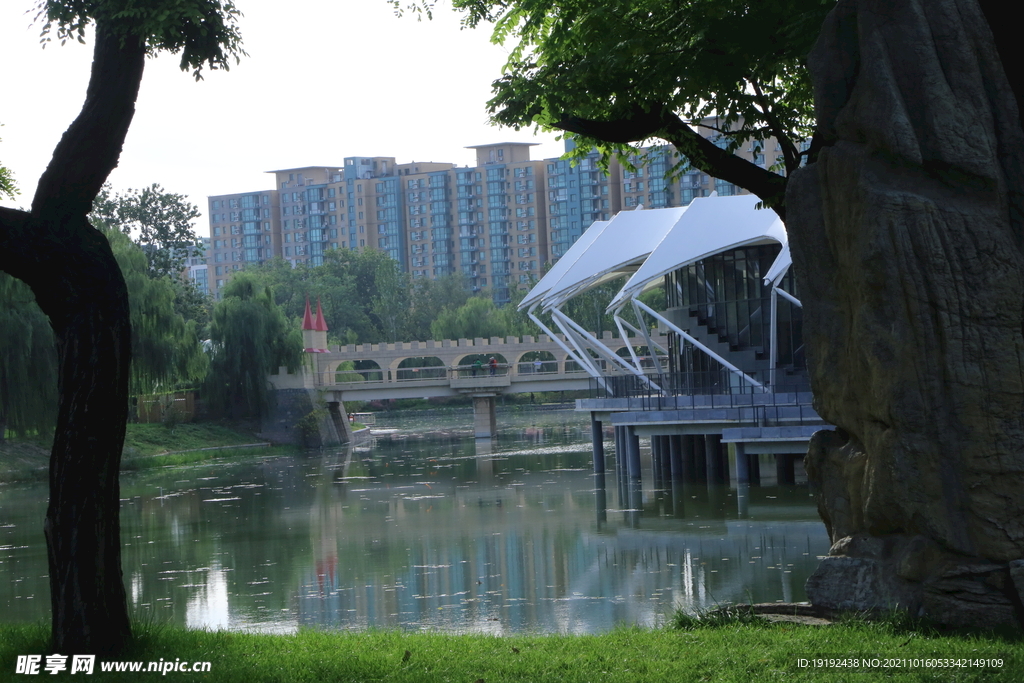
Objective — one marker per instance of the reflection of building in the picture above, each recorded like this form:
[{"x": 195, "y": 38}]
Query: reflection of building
[{"x": 733, "y": 370}]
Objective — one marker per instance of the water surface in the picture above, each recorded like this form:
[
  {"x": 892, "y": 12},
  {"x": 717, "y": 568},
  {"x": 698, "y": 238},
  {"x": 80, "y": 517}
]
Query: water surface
[{"x": 426, "y": 527}]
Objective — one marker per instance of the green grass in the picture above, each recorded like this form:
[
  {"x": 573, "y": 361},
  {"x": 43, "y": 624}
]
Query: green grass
[
  {"x": 151, "y": 439},
  {"x": 716, "y": 650},
  {"x": 27, "y": 459}
]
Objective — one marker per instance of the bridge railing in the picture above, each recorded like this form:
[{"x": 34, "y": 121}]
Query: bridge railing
[
  {"x": 411, "y": 374},
  {"x": 484, "y": 370},
  {"x": 719, "y": 382},
  {"x": 541, "y": 367}
]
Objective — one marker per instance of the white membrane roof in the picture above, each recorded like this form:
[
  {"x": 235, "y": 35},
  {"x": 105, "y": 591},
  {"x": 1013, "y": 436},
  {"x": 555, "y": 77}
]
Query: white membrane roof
[
  {"x": 604, "y": 252},
  {"x": 552, "y": 277},
  {"x": 709, "y": 226}
]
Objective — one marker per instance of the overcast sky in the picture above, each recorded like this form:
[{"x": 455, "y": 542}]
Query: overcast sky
[{"x": 324, "y": 79}]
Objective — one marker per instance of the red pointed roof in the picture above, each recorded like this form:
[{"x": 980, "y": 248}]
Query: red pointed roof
[
  {"x": 307, "y": 320},
  {"x": 321, "y": 324}
]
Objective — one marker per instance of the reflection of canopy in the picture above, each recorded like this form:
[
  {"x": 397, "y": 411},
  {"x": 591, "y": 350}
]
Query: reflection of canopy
[
  {"x": 710, "y": 225},
  {"x": 605, "y": 251}
]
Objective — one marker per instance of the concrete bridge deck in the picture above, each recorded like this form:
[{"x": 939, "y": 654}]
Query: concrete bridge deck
[{"x": 384, "y": 371}]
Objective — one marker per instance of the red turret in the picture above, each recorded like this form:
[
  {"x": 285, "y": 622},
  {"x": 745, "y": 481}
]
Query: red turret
[
  {"x": 307, "y": 320},
  {"x": 321, "y": 324}
]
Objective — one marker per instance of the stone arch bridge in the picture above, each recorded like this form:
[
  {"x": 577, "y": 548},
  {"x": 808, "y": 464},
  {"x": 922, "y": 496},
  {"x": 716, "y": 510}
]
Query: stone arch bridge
[{"x": 384, "y": 374}]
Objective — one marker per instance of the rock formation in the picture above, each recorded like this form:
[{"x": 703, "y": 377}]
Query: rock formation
[{"x": 907, "y": 234}]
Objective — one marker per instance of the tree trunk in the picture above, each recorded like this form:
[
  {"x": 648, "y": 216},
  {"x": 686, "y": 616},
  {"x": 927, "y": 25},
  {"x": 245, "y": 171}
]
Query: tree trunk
[
  {"x": 82, "y": 526},
  {"x": 907, "y": 238},
  {"x": 78, "y": 284}
]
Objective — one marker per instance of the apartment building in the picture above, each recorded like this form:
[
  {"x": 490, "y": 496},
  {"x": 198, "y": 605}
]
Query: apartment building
[{"x": 497, "y": 222}]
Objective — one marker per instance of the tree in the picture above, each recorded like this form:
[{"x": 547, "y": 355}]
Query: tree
[
  {"x": 166, "y": 353},
  {"x": 390, "y": 305},
  {"x": 430, "y": 297},
  {"x": 478, "y": 317},
  {"x": 251, "y": 339},
  {"x": 160, "y": 222},
  {"x": 165, "y": 348},
  {"x": 71, "y": 270},
  {"x": 626, "y": 71}
]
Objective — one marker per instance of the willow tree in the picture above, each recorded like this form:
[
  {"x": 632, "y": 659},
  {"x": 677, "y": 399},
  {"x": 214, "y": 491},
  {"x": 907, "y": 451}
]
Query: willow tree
[
  {"x": 28, "y": 363},
  {"x": 73, "y": 274},
  {"x": 166, "y": 352},
  {"x": 165, "y": 348},
  {"x": 251, "y": 338}
]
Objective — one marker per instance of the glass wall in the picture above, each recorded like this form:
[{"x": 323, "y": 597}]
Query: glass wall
[{"x": 724, "y": 297}]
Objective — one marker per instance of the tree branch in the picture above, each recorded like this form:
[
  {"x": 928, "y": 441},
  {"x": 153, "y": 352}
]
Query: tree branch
[
  {"x": 702, "y": 154},
  {"x": 89, "y": 149},
  {"x": 789, "y": 150}
]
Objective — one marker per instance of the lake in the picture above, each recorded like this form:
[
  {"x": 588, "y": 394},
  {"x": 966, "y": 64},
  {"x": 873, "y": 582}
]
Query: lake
[{"x": 425, "y": 527}]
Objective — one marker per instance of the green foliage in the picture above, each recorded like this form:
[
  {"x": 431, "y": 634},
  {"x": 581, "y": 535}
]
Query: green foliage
[
  {"x": 7, "y": 185},
  {"x": 617, "y": 73},
  {"x": 478, "y": 317},
  {"x": 431, "y": 297},
  {"x": 28, "y": 362},
  {"x": 391, "y": 304},
  {"x": 250, "y": 338},
  {"x": 165, "y": 348},
  {"x": 739, "y": 60},
  {"x": 161, "y": 222},
  {"x": 204, "y": 31}
]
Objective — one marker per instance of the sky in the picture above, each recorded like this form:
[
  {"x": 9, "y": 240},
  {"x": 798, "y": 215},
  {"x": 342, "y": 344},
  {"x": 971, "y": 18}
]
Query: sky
[{"x": 324, "y": 79}]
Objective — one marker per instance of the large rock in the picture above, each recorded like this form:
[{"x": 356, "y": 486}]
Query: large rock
[{"x": 907, "y": 241}]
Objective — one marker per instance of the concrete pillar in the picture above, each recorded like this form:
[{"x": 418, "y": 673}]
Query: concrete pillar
[
  {"x": 598, "y": 440},
  {"x": 485, "y": 418},
  {"x": 675, "y": 457},
  {"x": 664, "y": 458},
  {"x": 602, "y": 499},
  {"x": 340, "y": 419},
  {"x": 784, "y": 471},
  {"x": 717, "y": 469},
  {"x": 656, "y": 461},
  {"x": 742, "y": 464},
  {"x": 700, "y": 461},
  {"x": 633, "y": 453},
  {"x": 620, "y": 450}
]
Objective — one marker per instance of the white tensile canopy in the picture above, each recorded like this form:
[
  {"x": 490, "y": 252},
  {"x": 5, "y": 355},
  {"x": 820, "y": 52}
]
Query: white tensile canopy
[
  {"x": 605, "y": 251},
  {"x": 710, "y": 225},
  {"x": 563, "y": 264}
]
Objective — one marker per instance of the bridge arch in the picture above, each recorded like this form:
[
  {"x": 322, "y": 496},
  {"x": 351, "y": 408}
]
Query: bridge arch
[
  {"x": 527, "y": 361},
  {"x": 419, "y": 367},
  {"x": 364, "y": 370}
]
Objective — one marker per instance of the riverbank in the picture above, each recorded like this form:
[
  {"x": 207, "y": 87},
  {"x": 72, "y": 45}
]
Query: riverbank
[
  {"x": 146, "y": 445},
  {"x": 732, "y": 649}
]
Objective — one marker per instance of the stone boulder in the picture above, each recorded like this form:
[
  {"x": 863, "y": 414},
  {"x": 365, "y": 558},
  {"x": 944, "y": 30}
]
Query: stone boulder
[{"x": 908, "y": 242}]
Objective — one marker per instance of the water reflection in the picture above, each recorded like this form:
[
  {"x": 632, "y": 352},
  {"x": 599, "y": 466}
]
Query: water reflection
[{"x": 431, "y": 528}]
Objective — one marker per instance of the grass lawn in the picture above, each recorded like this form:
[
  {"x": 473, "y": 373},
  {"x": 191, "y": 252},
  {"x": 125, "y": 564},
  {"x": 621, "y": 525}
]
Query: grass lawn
[
  {"x": 151, "y": 439},
  {"x": 727, "y": 650}
]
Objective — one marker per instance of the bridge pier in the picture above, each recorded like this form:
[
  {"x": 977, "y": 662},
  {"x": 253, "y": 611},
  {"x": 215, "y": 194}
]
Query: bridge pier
[
  {"x": 597, "y": 437},
  {"x": 485, "y": 417}
]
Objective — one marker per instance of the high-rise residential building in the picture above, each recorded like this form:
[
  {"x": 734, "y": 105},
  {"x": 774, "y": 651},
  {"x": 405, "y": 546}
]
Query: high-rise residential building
[{"x": 497, "y": 222}]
